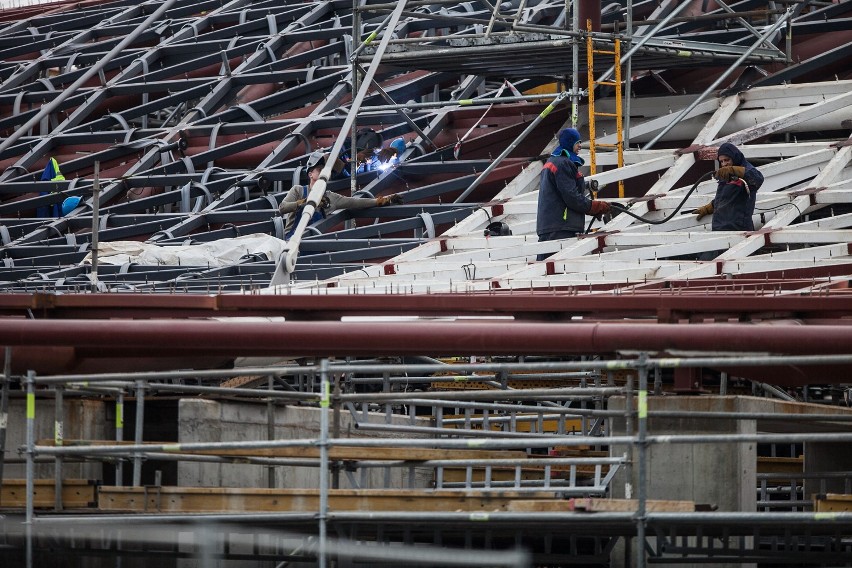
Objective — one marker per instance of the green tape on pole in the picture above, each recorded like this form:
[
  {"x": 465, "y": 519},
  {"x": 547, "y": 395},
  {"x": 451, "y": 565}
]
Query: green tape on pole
[
  {"x": 370, "y": 38},
  {"x": 547, "y": 110},
  {"x": 832, "y": 516},
  {"x": 171, "y": 448},
  {"x": 30, "y": 405},
  {"x": 643, "y": 404},
  {"x": 57, "y": 433},
  {"x": 478, "y": 516},
  {"x": 683, "y": 53},
  {"x": 465, "y": 102},
  {"x": 119, "y": 415},
  {"x": 617, "y": 364},
  {"x": 326, "y": 396}
]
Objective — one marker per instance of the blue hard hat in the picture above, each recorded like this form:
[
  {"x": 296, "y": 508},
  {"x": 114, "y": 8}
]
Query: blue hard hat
[
  {"x": 398, "y": 144},
  {"x": 69, "y": 204}
]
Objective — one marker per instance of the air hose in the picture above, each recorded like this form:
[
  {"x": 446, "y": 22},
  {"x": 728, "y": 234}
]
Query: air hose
[{"x": 622, "y": 209}]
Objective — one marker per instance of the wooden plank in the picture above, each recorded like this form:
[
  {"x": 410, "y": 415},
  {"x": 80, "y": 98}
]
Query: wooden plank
[
  {"x": 780, "y": 465},
  {"x": 335, "y": 453},
  {"x": 76, "y": 493},
  {"x": 219, "y": 499},
  {"x": 591, "y": 505},
  {"x": 833, "y": 502}
]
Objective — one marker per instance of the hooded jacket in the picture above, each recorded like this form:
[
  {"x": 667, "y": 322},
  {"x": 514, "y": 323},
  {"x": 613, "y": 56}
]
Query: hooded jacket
[
  {"x": 733, "y": 205},
  {"x": 561, "y": 203}
]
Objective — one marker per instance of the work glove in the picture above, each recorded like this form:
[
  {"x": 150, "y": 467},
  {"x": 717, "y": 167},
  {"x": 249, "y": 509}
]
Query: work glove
[
  {"x": 299, "y": 203},
  {"x": 727, "y": 173},
  {"x": 599, "y": 208},
  {"x": 703, "y": 211},
  {"x": 385, "y": 154},
  {"x": 395, "y": 199},
  {"x": 324, "y": 203},
  {"x": 363, "y": 157}
]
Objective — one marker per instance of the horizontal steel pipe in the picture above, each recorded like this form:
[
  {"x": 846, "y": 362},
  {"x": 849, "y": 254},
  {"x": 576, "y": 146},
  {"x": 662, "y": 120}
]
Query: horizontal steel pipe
[{"x": 418, "y": 338}]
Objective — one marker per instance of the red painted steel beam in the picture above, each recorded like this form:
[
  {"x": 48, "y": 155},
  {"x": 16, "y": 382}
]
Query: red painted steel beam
[{"x": 551, "y": 306}]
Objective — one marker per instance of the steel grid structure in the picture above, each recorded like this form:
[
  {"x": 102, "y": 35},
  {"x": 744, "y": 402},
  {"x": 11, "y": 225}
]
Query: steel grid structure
[
  {"x": 199, "y": 117},
  {"x": 182, "y": 124}
]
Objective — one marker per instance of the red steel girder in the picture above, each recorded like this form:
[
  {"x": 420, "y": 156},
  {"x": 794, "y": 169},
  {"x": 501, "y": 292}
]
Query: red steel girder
[{"x": 662, "y": 305}]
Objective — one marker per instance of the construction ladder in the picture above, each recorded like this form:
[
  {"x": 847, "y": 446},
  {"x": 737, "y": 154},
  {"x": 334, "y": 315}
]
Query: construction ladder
[{"x": 593, "y": 145}]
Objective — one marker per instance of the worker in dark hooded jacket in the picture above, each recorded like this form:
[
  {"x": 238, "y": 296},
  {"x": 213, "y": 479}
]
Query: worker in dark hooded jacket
[
  {"x": 733, "y": 206},
  {"x": 562, "y": 204}
]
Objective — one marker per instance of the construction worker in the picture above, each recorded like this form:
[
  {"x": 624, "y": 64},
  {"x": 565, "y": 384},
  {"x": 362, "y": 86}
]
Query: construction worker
[
  {"x": 294, "y": 201},
  {"x": 733, "y": 206},
  {"x": 51, "y": 173},
  {"x": 369, "y": 152},
  {"x": 562, "y": 204}
]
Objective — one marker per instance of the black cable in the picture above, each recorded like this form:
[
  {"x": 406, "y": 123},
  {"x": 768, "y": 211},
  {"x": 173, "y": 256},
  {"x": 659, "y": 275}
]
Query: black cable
[{"x": 624, "y": 209}]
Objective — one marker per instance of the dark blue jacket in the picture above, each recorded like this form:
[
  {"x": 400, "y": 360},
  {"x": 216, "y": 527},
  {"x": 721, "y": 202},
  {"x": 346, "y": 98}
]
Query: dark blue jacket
[
  {"x": 733, "y": 205},
  {"x": 562, "y": 205}
]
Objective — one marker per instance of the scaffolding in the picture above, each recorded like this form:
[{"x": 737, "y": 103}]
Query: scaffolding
[{"x": 524, "y": 458}]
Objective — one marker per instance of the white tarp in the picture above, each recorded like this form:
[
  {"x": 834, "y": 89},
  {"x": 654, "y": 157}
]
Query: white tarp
[{"x": 223, "y": 252}]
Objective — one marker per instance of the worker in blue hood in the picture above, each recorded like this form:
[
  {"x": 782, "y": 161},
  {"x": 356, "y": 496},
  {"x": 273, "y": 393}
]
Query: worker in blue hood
[{"x": 562, "y": 203}]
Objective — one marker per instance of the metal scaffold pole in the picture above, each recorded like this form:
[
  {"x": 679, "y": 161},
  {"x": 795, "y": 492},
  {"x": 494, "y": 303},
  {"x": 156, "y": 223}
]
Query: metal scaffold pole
[{"x": 325, "y": 404}]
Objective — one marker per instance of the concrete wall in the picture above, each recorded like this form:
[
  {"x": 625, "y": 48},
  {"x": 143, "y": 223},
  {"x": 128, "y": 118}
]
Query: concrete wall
[
  {"x": 720, "y": 474},
  {"x": 216, "y": 421},
  {"x": 84, "y": 420}
]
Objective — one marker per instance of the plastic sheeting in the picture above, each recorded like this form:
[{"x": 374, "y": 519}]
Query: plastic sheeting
[{"x": 223, "y": 252}]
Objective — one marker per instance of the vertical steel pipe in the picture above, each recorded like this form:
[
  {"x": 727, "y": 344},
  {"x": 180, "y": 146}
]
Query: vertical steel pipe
[
  {"x": 270, "y": 430},
  {"x": 58, "y": 436},
  {"x": 119, "y": 437},
  {"x": 642, "y": 418},
  {"x": 96, "y": 199},
  {"x": 137, "y": 435},
  {"x": 30, "y": 464},
  {"x": 325, "y": 402}
]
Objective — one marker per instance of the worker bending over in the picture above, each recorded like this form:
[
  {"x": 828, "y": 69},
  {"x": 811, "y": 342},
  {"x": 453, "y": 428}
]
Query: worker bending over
[{"x": 294, "y": 201}]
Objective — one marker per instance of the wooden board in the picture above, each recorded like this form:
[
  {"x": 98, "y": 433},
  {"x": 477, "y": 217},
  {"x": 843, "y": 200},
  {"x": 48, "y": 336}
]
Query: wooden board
[
  {"x": 780, "y": 465},
  {"x": 218, "y": 499},
  {"x": 833, "y": 502},
  {"x": 591, "y": 505},
  {"x": 76, "y": 493}
]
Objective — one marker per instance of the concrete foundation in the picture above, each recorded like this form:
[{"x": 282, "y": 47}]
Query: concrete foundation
[
  {"x": 721, "y": 476},
  {"x": 84, "y": 419},
  {"x": 214, "y": 421}
]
